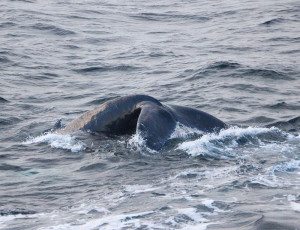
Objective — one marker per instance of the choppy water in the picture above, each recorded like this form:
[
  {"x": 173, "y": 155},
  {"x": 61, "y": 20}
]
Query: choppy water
[{"x": 236, "y": 60}]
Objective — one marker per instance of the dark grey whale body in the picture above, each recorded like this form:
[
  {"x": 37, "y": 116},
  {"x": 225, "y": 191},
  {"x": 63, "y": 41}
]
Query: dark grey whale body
[{"x": 146, "y": 115}]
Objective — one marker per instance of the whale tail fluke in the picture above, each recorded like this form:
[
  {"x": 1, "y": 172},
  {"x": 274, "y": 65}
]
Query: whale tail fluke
[
  {"x": 155, "y": 125},
  {"x": 144, "y": 115}
]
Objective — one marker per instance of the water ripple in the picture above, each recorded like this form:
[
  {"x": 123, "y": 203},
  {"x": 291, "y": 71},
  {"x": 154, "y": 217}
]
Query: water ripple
[
  {"x": 121, "y": 68},
  {"x": 52, "y": 29},
  {"x": 9, "y": 167},
  {"x": 169, "y": 17},
  {"x": 273, "y": 22}
]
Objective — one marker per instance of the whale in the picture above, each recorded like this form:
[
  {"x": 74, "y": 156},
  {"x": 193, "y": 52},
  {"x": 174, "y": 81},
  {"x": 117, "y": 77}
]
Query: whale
[{"x": 145, "y": 115}]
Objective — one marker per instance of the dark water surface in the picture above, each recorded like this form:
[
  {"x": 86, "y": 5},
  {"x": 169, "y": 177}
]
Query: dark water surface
[{"x": 236, "y": 60}]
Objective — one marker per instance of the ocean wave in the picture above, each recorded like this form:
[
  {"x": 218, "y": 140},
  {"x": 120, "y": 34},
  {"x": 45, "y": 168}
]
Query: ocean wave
[
  {"x": 110, "y": 221},
  {"x": 272, "y": 177},
  {"x": 6, "y": 220},
  {"x": 134, "y": 189},
  {"x": 106, "y": 68},
  {"x": 53, "y": 29},
  {"x": 249, "y": 87},
  {"x": 219, "y": 145},
  {"x": 294, "y": 202},
  {"x": 93, "y": 216},
  {"x": 236, "y": 70},
  {"x": 222, "y": 144},
  {"x": 294, "y": 51},
  {"x": 9, "y": 120},
  {"x": 265, "y": 181},
  {"x": 3, "y": 100},
  {"x": 284, "y": 105},
  {"x": 273, "y": 21},
  {"x": 16, "y": 168},
  {"x": 266, "y": 73},
  {"x": 138, "y": 142},
  {"x": 284, "y": 39},
  {"x": 289, "y": 166},
  {"x": 170, "y": 17},
  {"x": 190, "y": 218},
  {"x": 182, "y": 131},
  {"x": 5, "y": 25},
  {"x": 259, "y": 120},
  {"x": 4, "y": 60},
  {"x": 57, "y": 141},
  {"x": 292, "y": 125},
  {"x": 15, "y": 212},
  {"x": 212, "y": 68},
  {"x": 27, "y": 1},
  {"x": 92, "y": 167},
  {"x": 220, "y": 65}
]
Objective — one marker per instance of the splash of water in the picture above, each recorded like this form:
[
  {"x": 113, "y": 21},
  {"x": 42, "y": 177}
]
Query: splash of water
[
  {"x": 222, "y": 144},
  {"x": 60, "y": 141}
]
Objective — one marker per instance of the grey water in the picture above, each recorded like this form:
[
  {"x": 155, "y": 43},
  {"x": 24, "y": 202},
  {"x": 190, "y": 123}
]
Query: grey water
[{"x": 237, "y": 60}]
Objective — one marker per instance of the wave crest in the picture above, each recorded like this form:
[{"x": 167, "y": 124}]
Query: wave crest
[
  {"x": 222, "y": 144},
  {"x": 57, "y": 141}
]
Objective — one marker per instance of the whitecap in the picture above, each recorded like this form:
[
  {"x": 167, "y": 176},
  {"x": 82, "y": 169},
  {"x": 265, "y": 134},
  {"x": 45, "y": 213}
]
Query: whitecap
[
  {"x": 134, "y": 189},
  {"x": 57, "y": 141},
  {"x": 6, "y": 220},
  {"x": 182, "y": 131},
  {"x": 210, "y": 204},
  {"x": 286, "y": 166},
  {"x": 197, "y": 220},
  {"x": 294, "y": 205},
  {"x": 138, "y": 142},
  {"x": 221, "y": 144},
  {"x": 118, "y": 221}
]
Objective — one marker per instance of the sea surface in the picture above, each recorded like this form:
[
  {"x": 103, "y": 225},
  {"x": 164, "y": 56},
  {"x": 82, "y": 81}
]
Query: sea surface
[{"x": 237, "y": 60}]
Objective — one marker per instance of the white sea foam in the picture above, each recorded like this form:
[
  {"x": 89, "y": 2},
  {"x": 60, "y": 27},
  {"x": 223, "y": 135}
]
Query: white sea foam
[
  {"x": 199, "y": 226},
  {"x": 117, "y": 221},
  {"x": 182, "y": 131},
  {"x": 286, "y": 166},
  {"x": 198, "y": 221},
  {"x": 106, "y": 220},
  {"x": 223, "y": 173},
  {"x": 57, "y": 141},
  {"x": 222, "y": 143},
  {"x": 139, "y": 188},
  {"x": 137, "y": 141},
  {"x": 294, "y": 205},
  {"x": 271, "y": 179},
  {"x": 6, "y": 220},
  {"x": 130, "y": 220},
  {"x": 88, "y": 208},
  {"x": 209, "y": 203}
]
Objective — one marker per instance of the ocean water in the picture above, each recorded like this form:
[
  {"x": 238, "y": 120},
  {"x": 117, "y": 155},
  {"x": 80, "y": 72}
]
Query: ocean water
[{"x": 237, "y": 60}]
